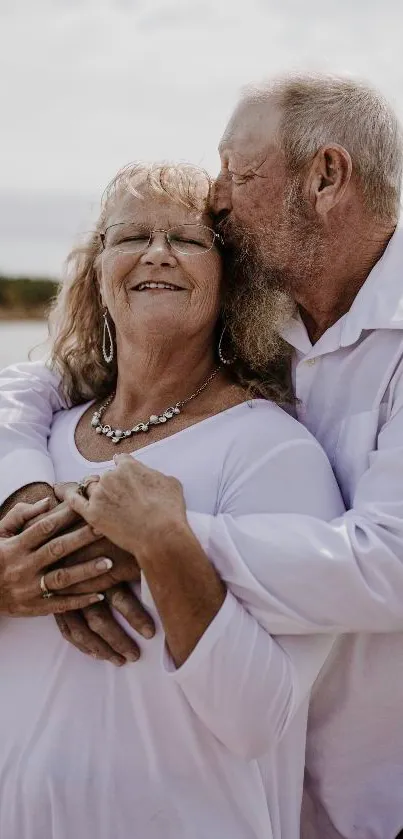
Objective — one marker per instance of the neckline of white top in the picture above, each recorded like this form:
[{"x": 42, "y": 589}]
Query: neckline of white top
[{"x": 79, "y": 411}]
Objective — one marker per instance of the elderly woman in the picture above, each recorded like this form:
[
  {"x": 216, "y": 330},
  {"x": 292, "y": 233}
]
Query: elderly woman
[{"x": 205, "y": 736}]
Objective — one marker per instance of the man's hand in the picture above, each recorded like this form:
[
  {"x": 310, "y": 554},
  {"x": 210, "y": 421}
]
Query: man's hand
[{"x": 95, "y": 631}]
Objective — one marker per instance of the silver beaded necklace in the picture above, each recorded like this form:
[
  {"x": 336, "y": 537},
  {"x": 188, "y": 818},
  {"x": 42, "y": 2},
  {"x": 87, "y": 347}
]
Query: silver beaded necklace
[{"x": 117, "y": 434}]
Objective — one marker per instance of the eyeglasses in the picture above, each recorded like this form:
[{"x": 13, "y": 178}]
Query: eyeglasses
[{"x": 187, "y": 239}]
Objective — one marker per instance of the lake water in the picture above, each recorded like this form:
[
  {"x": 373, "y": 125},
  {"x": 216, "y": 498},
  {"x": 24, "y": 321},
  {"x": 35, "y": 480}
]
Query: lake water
[{"x": 18, "y": 337}]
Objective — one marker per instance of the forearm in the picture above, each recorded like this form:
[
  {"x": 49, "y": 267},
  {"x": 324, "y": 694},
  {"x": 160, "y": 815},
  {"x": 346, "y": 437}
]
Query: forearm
[
  {"x": 29, "y": 395},
  {"x": 186, "y": 589},
  {"x": 29, "y": 494},
  {"x": 244, "y": 685},
  {"x": 304, "y": 575}
]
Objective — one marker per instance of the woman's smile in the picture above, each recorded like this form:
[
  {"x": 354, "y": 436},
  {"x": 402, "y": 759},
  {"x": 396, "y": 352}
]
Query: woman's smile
[{"x": 155, "y": 286}]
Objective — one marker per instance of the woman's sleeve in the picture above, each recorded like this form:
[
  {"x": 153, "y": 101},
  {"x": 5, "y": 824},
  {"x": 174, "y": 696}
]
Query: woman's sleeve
[
  {"x": 29, "y": 396},
  {"x": 242, "y": 683}
]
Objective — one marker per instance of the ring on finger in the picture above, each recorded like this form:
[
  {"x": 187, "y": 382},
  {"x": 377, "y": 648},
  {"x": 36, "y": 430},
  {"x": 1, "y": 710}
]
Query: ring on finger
[
  {"x": 44, "y": 589},
  {"x": 84, "y": 484}
]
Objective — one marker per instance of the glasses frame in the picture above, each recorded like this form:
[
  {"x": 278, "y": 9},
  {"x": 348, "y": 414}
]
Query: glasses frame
[{"x": 216, "y": 237}]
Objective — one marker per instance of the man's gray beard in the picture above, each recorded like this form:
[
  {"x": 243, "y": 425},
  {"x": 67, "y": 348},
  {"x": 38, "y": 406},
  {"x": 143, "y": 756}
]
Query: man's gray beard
[{"x": 256, "y": 303}]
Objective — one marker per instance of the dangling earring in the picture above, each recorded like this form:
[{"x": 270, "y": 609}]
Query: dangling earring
[
  {"x": 107, "y": 336},
  {"x": 220, "y": 352}
]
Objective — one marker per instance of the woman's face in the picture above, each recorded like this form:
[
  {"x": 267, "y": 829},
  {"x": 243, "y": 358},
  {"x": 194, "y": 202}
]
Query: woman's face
[{"x": 134, "y": 283}]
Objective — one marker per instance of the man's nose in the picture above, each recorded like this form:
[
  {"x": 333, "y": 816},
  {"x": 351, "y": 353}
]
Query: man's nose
[
  {"x": 221, "y": 194},
  {"x": 159, "y": 251}
]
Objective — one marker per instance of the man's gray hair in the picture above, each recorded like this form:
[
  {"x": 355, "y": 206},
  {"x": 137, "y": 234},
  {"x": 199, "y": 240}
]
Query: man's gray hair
[{"x": 317, "y": 110}]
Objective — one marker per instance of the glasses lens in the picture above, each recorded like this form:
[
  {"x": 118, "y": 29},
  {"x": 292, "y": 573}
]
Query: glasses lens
[
  {"x": 191, "y": 238},
  {"x": 127, "y": 238}
]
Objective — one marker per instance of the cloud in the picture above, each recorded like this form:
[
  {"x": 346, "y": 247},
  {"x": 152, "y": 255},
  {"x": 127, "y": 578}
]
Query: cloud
[{"x": 87, "y": 86}]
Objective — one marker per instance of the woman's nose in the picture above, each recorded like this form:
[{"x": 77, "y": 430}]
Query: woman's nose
[
  {"x": 158, "y": 252},
  {"x": 221, "y": 194}
]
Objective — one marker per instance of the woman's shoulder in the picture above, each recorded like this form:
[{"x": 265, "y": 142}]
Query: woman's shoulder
[
  {"x": 272, "y": 463},
  {"x": 265, "y": 425}
]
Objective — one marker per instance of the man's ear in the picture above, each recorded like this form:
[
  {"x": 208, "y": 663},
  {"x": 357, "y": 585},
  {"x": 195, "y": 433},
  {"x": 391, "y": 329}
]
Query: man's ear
[{"x": 329, "y": 177}]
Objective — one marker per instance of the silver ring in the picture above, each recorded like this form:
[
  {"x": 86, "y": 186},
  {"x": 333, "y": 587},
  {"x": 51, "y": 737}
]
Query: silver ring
[
  {"x": 44, "y": 589},
  {"x": 84, "y": 484}
]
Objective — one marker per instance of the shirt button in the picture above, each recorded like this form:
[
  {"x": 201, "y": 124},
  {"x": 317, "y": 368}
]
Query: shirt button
[{"x": 310, "y": 361}]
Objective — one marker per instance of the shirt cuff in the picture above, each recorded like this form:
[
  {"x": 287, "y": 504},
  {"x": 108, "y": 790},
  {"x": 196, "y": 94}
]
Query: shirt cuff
[
  {"x": 24, "y": 467},
  {"x": 208, "y": 640}
]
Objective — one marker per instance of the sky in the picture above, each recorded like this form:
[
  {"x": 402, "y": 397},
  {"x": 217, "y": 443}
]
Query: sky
[{"x": 88, "y": 85}]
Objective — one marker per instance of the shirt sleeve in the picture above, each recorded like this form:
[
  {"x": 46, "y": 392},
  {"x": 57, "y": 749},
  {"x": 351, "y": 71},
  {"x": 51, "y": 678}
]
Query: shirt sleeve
[
  {"x": 29, "y": 396},
  {"x": 242, "y": 683},
  {"x": 310, "y": 575}
]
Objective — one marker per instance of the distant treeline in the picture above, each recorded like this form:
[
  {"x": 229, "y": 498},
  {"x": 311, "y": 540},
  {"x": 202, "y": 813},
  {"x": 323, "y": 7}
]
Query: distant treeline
[{"x": 23, "y": 297}]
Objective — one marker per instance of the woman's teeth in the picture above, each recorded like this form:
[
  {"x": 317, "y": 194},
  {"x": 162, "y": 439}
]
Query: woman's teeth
[{"x": 157, "y": 285}]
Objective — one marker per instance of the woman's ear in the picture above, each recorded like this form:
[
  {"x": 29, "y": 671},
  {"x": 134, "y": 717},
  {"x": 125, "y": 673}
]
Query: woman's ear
[{"x": 329, "y": 177}]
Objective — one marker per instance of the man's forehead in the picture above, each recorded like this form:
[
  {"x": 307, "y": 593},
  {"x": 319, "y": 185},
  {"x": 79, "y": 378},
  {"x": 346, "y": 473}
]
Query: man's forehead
[{"x": 251, "y": 128}]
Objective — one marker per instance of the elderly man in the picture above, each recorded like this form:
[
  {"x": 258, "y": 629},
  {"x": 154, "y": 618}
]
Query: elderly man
[{"x": 308, "y": 199}]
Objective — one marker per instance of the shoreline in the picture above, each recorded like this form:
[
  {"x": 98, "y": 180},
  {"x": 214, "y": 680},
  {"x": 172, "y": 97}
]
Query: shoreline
[{"x": 8, "y": 316}]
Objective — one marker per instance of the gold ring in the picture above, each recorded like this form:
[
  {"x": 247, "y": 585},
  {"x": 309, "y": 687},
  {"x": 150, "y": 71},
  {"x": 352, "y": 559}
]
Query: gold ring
[{"x": 44, "y": 589}]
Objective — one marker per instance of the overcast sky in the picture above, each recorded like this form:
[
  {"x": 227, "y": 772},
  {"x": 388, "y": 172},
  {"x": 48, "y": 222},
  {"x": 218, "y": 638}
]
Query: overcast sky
[{"x": 88, "y": 85}]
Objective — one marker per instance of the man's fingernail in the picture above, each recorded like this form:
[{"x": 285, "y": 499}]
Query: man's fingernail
[
  {"x": 117, "y": 661},
  {"x": 148, "y": 632},
  {"x": 100, "y": 597},
  {"x": 132, "y": 656},
  {"x": 103, "y": 564}
]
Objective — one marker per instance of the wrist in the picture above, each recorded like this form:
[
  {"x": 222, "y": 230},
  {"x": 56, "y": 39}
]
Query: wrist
[
  {"x": 162, "y": 538},
  {"x": 29, "y": 494}
]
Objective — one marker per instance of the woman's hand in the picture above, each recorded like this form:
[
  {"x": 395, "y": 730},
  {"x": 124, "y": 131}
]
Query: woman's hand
[
  {"x": 26, "y": 556},
  {"x": 131, "y": 504}
]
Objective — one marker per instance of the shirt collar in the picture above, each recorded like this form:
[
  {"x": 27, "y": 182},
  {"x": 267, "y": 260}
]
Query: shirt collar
[{"x": 378, "y": 304}]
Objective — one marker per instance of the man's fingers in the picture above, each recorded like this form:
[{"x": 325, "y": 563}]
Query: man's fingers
[
  {"x": 103, "y": 624},
  {"x": 22, "y": 513},
  {"x": 40, "y": 532},
  {"x": 62, "y": 578},
  {"x": 76, "y": 631},
  {"x": 125, "y": 601},
  {"x": 65, "y": 545}
]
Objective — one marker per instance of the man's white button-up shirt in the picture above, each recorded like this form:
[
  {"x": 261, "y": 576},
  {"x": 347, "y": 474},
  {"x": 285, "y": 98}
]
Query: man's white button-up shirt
[{"x": 343, "y": 576}]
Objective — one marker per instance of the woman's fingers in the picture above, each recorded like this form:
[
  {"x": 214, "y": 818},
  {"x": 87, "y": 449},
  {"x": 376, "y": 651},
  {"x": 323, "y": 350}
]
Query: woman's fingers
[
  {"x": 40, "y": 532},
  {"x": 20, "y": 515},
  {"x": 63, "y": 603},
  {"x": 63, "y": 578},
  {"x": 64, "y": 545}
]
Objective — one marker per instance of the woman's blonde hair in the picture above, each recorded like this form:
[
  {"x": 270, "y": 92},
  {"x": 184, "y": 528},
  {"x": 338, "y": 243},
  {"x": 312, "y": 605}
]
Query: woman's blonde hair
[{"x": 76, "y": 319}]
